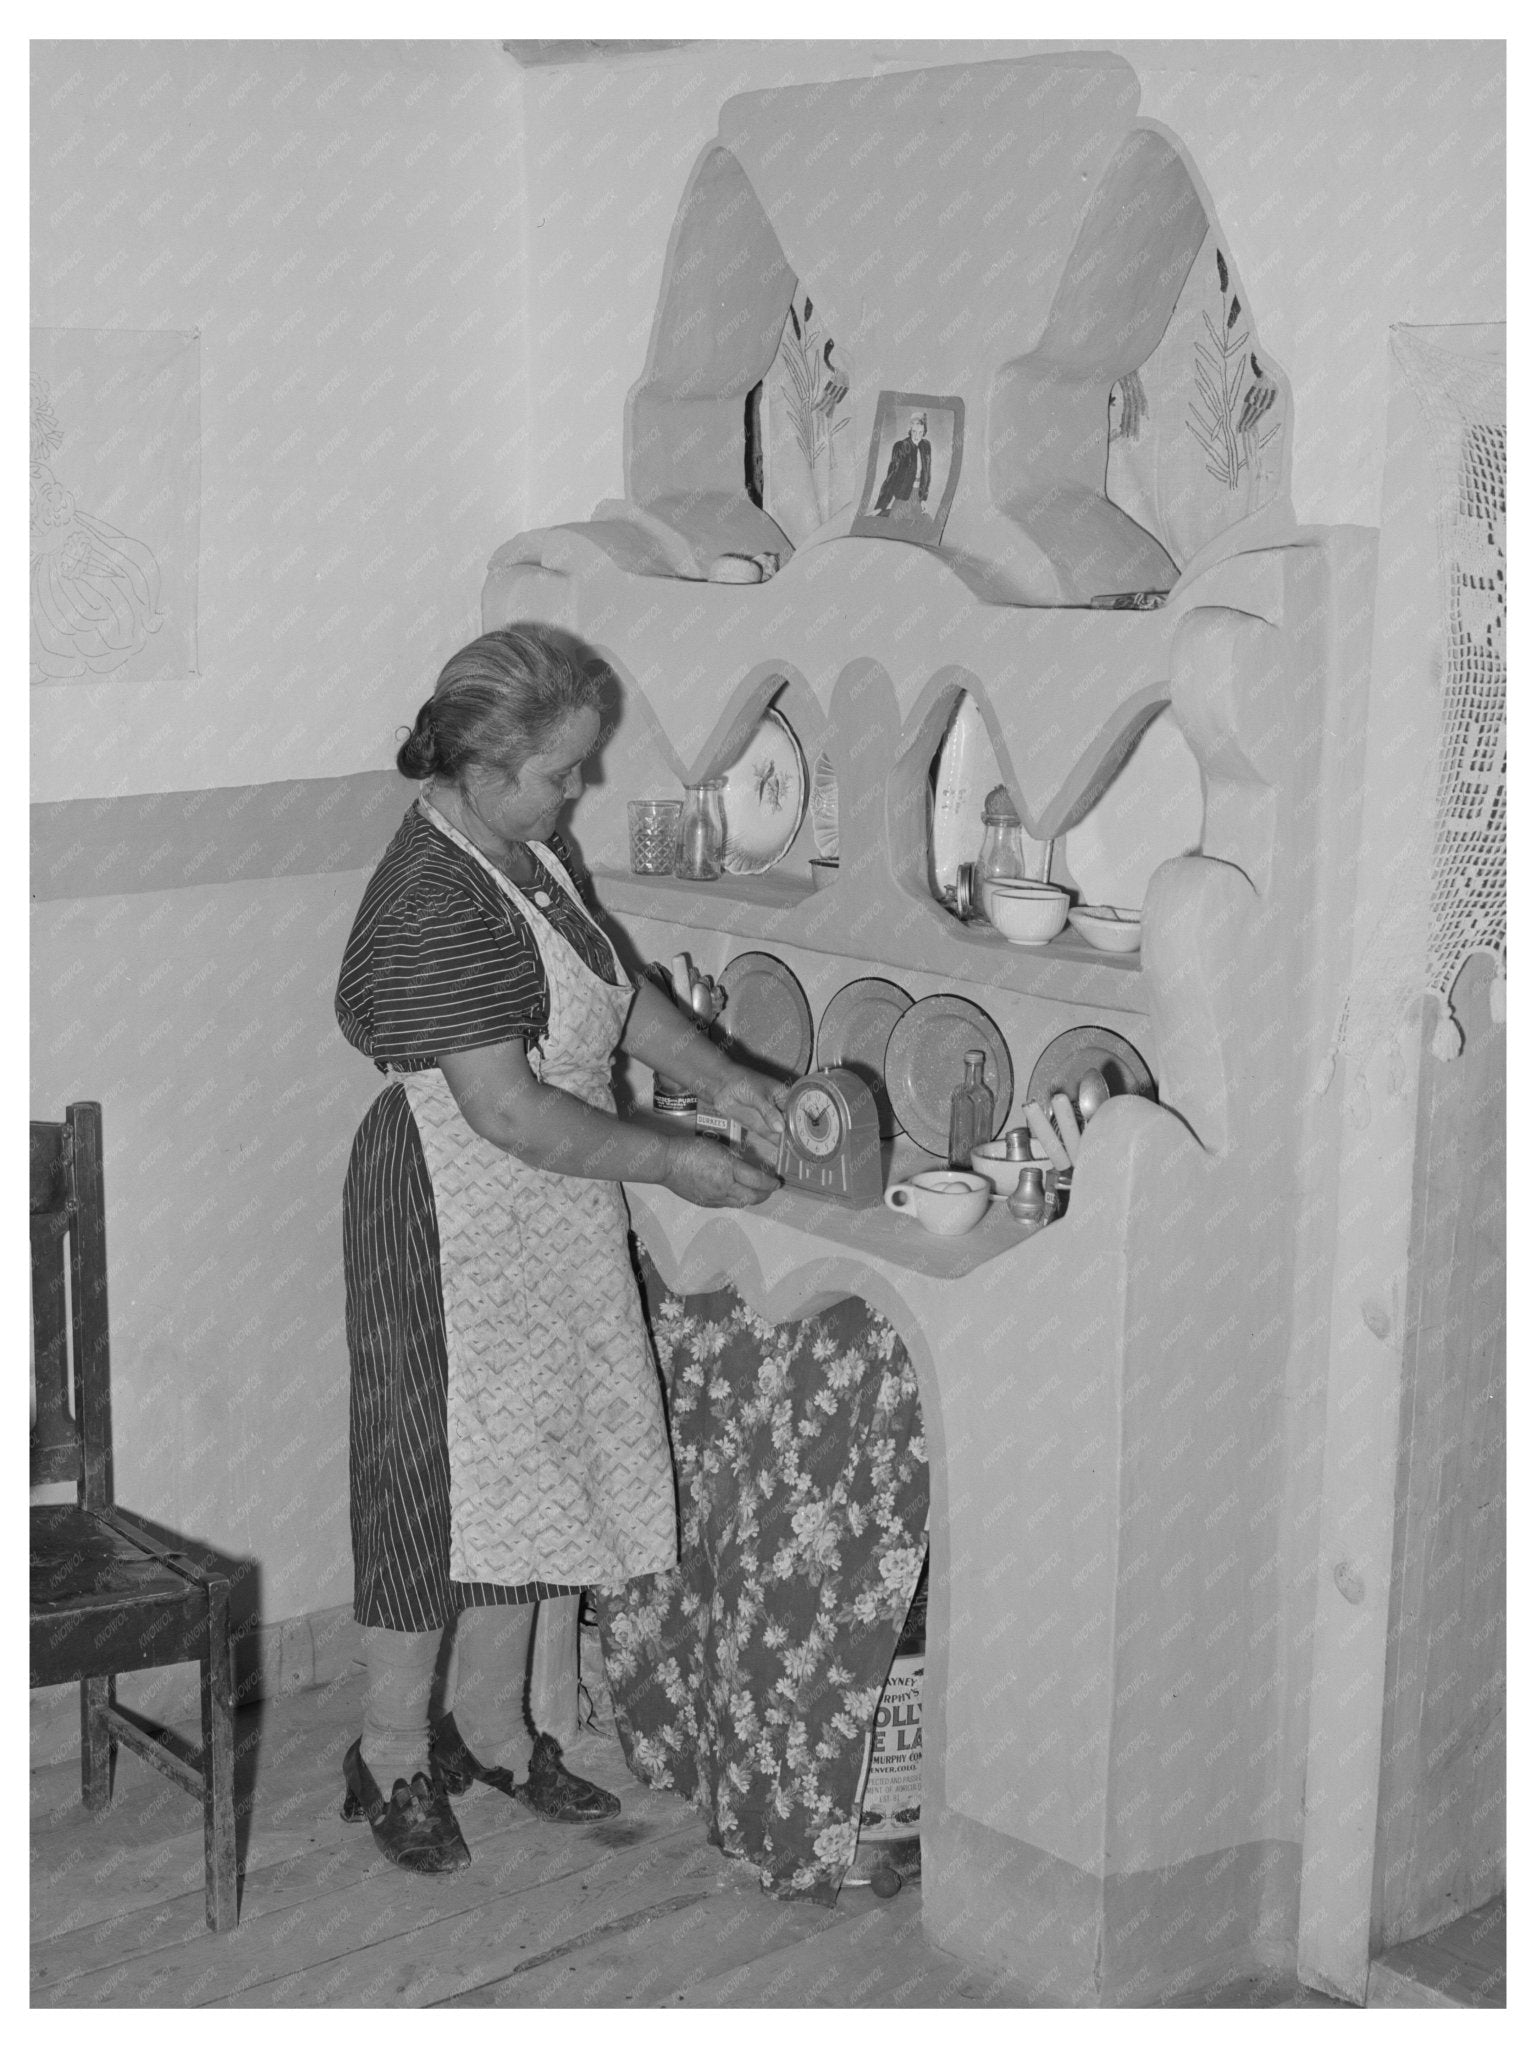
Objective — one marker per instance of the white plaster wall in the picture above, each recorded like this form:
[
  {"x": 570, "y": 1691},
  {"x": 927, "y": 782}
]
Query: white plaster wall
[
  {"x": 201, "y": 1020},
  {"x": 341, "y": 562},
  {"x": 1357, "y": 184},
  {"x": 343, "y": 223}
]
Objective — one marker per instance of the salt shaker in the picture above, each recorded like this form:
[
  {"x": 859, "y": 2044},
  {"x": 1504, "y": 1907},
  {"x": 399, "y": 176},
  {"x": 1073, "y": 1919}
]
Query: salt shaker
[
  {"x": 1027, "y": 1203},
  {"x": 1002, "y": 841}
]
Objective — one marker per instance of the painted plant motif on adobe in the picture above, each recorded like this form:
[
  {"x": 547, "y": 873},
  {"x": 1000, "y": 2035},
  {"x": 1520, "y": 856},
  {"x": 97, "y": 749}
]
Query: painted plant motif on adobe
[{"x": 1227, "y": 414}]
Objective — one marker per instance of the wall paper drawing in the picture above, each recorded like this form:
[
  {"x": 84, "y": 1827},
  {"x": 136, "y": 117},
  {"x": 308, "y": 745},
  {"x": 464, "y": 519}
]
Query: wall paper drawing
[{"x": 114, "y": 453}]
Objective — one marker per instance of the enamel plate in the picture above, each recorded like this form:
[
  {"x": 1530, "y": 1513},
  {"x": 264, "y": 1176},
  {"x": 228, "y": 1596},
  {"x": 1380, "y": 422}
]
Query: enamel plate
[
  {"x": 925, "y": 1063},
  {"x": 766, "y": 1020},
  {"x": 855, "y": 1029},
  {"x": 1061, "y": 1067},
  {"x": 967, "y": 769}
]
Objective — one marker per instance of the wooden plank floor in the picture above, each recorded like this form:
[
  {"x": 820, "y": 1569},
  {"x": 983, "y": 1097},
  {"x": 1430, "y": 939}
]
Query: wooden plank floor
[
  {"x": 639, "y": 1911},
  {"x": 1463, "y": 1964}
]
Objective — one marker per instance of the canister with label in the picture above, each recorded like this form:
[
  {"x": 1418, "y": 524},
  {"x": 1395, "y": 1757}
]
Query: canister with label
[{"x": 891, "y": 1794}]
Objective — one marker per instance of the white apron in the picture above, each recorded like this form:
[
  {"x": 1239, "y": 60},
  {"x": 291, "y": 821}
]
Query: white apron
[{"x": 559, "y": 1467}]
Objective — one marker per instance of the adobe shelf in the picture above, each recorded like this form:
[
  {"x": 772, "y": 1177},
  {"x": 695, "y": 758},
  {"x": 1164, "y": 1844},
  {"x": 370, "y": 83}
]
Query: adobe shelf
[{"x": 786, "y": 910}]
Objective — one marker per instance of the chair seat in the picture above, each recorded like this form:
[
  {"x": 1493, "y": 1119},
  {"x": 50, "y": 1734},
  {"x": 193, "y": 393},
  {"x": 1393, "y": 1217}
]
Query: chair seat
[{"x": 103, "y": 1602}]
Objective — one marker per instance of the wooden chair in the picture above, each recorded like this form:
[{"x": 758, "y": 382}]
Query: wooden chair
[{"x": 109, "y": 1592}]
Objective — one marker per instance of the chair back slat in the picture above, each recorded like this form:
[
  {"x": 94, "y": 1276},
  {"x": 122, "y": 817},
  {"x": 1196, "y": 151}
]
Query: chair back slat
[
  {"x": 68, "y": 1202},
  {"x": 48, "y": 1175},
  {"x": 55, "y": 1448},
  {"x": 88, "y": 1302}
]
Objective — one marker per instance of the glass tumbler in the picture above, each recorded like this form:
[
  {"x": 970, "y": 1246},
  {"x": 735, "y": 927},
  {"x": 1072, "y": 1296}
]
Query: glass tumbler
[{"x": 653, "y": 825}]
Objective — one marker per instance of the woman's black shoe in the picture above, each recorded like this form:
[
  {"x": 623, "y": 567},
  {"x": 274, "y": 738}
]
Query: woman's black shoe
[
  {"x": 550, "y": 1789},
  {"x": 414, "y": 1826}
]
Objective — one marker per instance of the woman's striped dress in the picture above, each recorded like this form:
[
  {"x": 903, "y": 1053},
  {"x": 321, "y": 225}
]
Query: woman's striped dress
[{"x": 438, "y": 961}]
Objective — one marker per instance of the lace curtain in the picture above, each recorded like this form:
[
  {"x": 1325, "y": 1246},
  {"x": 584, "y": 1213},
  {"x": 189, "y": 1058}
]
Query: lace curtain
[{"x": 1456, "y": 889}]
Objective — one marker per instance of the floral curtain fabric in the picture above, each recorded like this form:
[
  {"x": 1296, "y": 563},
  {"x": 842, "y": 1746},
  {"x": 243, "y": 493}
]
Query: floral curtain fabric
[{"x": 746, "y": 1679}]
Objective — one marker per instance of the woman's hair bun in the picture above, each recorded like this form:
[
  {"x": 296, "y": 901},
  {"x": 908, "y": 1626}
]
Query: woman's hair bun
[
  {"x": 418, "y": 756},
  {"x": 502, "y": 698}
]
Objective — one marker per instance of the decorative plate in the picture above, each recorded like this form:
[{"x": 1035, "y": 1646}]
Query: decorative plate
[
  {"x": 925, "y": 1063},
  {"x": 766, "y": 1021},
  {"x": 1061, "y": 1067},
  {"x": 824, "y": 808},
  {"x": 764, "y": 798},
  {"x": 855, "y": 1029},
  {"x": 967, "y": 770}
]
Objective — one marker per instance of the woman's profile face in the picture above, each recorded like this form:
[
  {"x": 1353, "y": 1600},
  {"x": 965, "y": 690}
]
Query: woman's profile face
[{"x": 526, "y": 806}]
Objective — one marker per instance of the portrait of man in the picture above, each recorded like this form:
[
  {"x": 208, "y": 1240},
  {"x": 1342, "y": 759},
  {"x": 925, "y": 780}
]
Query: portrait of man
[{"x": 914, "y": 466}]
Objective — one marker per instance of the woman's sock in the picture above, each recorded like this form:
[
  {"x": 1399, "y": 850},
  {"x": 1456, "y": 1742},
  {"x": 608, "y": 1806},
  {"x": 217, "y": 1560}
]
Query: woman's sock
[
  {"x": 400, "y": 1667},
  {"x": 490, "y": 1673}
]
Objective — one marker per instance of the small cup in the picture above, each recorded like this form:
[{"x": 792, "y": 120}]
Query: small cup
[
  {"x": 653, "y": 825},
  {"x": 945, "y": 1202}
]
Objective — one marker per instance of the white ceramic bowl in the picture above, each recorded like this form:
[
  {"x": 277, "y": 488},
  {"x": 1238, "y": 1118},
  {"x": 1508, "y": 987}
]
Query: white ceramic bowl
[
  {"x": 1112, "y": 931},
  {"x": 987, "y": 890},
  {"x": 989, "y": 1161},
  {"x": 1026, "y": 915}
]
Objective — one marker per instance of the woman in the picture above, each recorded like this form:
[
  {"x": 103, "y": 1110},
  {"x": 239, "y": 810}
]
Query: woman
[{"x": 507, "y": 1436}]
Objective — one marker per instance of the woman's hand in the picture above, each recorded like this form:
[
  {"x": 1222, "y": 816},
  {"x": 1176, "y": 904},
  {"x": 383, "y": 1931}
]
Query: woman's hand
[
  {"x": 754, "y": 1101},
  {"x": 716, "y": 1177}
]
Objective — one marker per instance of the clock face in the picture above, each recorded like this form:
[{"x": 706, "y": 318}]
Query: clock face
[{"x": 816, "y": 1121}]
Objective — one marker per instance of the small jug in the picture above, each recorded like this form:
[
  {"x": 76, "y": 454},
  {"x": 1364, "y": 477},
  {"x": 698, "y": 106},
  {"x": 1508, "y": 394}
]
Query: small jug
[{"x": 701, "y": 834}]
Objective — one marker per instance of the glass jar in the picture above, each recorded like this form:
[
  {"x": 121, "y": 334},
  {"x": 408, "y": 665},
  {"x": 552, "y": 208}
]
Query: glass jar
[
  {"x": 701, "y": 834},
  {"x": 1002, "y": 840},
  {"x": 971, "y": 1113}
]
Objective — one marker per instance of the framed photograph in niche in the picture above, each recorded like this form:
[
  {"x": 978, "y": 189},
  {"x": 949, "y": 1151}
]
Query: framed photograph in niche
[{"x": 914, "y": 467}]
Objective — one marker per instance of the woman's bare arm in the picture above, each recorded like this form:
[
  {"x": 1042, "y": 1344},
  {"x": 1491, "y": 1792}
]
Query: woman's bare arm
[
  {"x": 503, "y": 1101},
  {"x": 658, "y": 1033}
]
